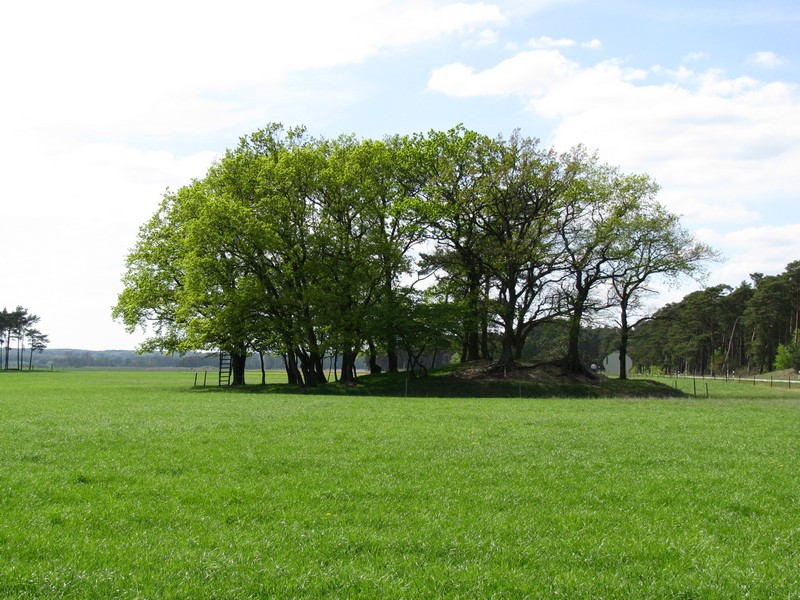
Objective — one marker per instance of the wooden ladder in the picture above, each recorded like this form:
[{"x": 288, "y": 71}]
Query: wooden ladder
[{"x": 224, "y": 369}]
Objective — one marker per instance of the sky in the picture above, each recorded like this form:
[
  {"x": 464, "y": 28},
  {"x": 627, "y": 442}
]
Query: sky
[{"x": 106, "y": 105}]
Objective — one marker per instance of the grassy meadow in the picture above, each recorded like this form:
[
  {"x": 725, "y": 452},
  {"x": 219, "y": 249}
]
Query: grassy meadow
[{"x": 139, "y": 485}]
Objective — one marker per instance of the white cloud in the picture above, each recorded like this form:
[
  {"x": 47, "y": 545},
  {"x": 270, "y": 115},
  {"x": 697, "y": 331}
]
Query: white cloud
[
  {"x": 78, "y": 208},
  {"x": 545, "y": 42},
  {"x": 768, "y": 60},
  {"x": 593, "y": 44},
  {"x": 91, "y": 66},
  {"x": 531, "y": 72},
  {"x": 695, "y": 56},
  {"x": 487, "y": 37},
  {"x": 724, "y": 149},
  {"x": 713, "y": 147},
  {"x": 714, "y": 143},
  {"x": 753, "y": 249}
]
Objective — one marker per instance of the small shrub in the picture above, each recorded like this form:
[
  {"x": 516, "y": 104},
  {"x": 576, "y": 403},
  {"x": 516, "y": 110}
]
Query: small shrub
[{"x": 788, "y": 355}]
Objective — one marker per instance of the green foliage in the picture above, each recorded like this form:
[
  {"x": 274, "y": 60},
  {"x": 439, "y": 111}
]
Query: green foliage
[
  {"x": 768, "y": 314},
  {"x": 16, "y": 330},
  {"x": 650, "y": 243},
  {"x": 783, "y": 359},
  {"x": 723, "y": 330},
  {"x": 788, "y": 355},
  {"x": 292, "y": 245}
]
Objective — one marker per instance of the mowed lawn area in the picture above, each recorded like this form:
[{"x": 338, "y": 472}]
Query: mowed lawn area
[{"x": 138, "y": 485}]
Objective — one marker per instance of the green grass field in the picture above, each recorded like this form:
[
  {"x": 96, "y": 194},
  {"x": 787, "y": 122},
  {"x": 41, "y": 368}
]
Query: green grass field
[{"x": 137, "y": 485}]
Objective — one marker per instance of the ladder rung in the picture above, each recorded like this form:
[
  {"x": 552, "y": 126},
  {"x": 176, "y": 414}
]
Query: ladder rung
[{"x": 224, "y": 368}]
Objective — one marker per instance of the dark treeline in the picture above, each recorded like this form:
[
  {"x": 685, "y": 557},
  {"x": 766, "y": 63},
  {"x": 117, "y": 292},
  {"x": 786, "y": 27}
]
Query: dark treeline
[
  {"x": 405, "y": 247},
  {"x": 71, "y": 358},
  {"x": 752, "y": 328},
  {"x": 19, "y": 339},
  {"x": 541, "y": 345}
]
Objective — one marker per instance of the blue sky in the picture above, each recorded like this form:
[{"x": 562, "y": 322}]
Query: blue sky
[{"x": 105, "y": 105}]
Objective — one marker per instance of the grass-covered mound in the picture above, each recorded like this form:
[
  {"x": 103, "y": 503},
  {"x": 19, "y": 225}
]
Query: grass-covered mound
[
  {"x": 782, "y": 375},
  {"x": 487, "y": 379}
]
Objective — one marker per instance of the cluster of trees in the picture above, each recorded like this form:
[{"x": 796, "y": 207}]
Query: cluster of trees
[
  {"x": 17, "y": 329},
  {"x": 311, "y": 248},
  {"x": 754, "y": 327}
]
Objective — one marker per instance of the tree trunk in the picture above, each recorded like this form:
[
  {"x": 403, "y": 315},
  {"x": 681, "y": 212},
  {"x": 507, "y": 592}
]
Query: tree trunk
[
  {"x": 391, "y": 354},
  {"x": 484, "y": 320},
  {"x": 519, "y": 343},
  {"x": 238, "y": 360},
  {"x": 507, "y": 357},
  {"x": 318, "y": 368},
  {"x": 391, "y": 351},
  {"x": 306, "y": 368},
  {"x": 292, "y": 373},
  {"x": 336, "y": 366},
  {"x": 416, "y": 362},
  {"x": 311, "y": 360},
  {"x": 485, "y": 354},
  {"x": 623, "y": 353},
  {"x": 508, "y": 353},
  {"x": 348, "y": 368},
  {"x": 391, "y": 336},
  {"x": 623, "y": 339},
  {"x": 374, "y": 367},
  {"x": 473, "y": 346},
  {"x": 472, "y": 325},
  {"x": 573, "y": 359}
]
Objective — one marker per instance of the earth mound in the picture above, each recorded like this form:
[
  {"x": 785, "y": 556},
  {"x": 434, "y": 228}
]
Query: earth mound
[
  {"x": 554, "y": 379},
  {"x": 543, "y": 372}
]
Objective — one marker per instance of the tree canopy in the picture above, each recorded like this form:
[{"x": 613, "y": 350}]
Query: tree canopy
[
  {"x": 315, "y": 248},
  {"x": 17, "y": 329}
]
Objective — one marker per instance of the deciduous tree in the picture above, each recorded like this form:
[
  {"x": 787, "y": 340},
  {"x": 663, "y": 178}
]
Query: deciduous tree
[{"x": 650, "y": 244}]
